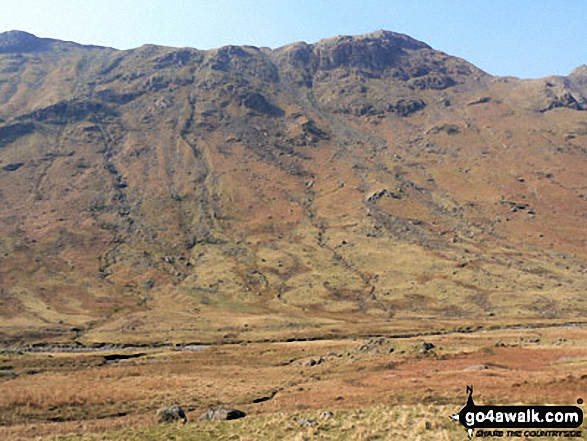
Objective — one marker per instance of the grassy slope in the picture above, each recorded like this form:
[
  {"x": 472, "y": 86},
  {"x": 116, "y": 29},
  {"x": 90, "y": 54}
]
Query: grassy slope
[{"x": 185, "y": 210}]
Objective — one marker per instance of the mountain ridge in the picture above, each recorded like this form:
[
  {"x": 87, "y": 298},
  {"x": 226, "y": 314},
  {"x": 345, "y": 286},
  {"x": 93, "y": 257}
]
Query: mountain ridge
[{"x": 17, "y": 40}]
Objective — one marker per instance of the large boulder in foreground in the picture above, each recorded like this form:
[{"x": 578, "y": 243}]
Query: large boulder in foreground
[
  {"x": 171, "y": 414},
  {"x": 220, "y": 414}
]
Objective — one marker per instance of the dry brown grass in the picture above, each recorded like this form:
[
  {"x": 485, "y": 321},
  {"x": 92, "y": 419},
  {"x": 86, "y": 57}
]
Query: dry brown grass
[{"x": 372, "y": 392}]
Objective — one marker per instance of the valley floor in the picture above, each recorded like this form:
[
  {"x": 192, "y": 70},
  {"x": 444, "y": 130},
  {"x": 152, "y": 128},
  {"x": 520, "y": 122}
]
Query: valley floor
[{"x": 365, "y": 389}]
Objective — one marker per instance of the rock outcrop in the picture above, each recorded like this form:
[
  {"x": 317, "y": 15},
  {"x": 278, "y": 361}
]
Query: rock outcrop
[{"x": 171, "y": 414}]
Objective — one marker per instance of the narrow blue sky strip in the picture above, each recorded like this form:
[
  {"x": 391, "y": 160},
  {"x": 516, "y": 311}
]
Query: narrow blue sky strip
[{"x": 525, "y": 38}]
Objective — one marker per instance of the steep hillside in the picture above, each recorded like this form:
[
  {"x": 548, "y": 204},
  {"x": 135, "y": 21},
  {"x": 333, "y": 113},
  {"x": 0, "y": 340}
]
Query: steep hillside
[{"x": 356, "y": 185}]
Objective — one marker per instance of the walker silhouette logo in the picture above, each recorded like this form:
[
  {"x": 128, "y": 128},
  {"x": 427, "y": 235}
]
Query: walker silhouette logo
[{"x": 510, "y": 421}]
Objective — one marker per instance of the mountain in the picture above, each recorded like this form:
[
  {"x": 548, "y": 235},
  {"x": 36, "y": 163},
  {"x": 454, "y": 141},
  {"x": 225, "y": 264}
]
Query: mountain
[{"x": 360, "y": 184}]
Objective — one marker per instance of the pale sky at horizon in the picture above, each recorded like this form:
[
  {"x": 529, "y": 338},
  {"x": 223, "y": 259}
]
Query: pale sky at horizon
[{"x": 524, "y": 38}]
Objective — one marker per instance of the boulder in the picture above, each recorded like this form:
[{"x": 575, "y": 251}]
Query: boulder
[
  {"x": 171, "y": 414},
  {"x": 220, "y": 414},
  {"x": 427, "y": 346}
]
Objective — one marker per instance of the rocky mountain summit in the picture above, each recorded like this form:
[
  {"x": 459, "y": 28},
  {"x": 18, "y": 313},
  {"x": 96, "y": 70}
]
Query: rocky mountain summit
[
  {"x": 357, "y": 184},
  {"x": 17, "y": 42}
]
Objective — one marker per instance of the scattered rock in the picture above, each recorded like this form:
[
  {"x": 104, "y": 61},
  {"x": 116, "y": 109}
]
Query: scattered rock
[
  {"x": 426, "y": 346},
  {"x": 406, "y": 107},
  {"x": 565, "y": 99},
  {"x": 306, "y": 422},
  {"x": 311, "y": 130},
  {"x": 326, "y": 414},
  {"x": 13, "y": 167},
  {"x": 449, "y": 129},
  {"x": 476, "y": 367},
  {"x": 500, "y": 344},
  {"x": 148, "y": 284},
  {"x": 375, "y": 196},
  {"x": 376, "y": 345},
  {"x": 426, "y": 349},
  {"x": 4, "y": 373},
  {"x": 371, "y": 344},
  {"x": 307, "y": 362},
  {"x": 432, "y": 82},
  {"x": 171, "y": 414},
  {"x": 221, "y": 414},
  {"x": 481, "y": 100},
  {"x": 265, "y": 398}
]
